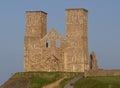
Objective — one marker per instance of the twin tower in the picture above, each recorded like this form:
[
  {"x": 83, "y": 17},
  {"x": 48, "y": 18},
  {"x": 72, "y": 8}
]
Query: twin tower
[{"x": 50, "y": 51}]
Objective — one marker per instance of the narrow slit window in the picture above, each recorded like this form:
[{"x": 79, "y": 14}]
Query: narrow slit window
[{"x": 48, "y": 43}]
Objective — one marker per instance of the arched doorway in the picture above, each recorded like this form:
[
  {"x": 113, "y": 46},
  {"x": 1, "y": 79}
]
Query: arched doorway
[{"x": 52, "y": 63}]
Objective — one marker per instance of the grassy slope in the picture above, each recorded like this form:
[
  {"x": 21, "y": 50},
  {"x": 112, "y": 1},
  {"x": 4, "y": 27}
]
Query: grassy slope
[
  {"x": 39, "y": 79},
  {"x": 99, "y": 82},
  {"x": 35, "y": 79},
  {"x": 64, "y": 82}
]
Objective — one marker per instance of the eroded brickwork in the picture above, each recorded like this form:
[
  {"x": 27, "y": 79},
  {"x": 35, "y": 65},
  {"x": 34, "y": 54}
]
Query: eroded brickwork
[{"x": 52, "y": 52}]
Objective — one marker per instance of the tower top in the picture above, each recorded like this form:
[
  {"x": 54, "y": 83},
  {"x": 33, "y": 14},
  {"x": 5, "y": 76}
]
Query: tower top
[
  {"x": 77, "y": 9},
  {"x": 36, "y": 12},
  {"x": 36, "y": 23}
]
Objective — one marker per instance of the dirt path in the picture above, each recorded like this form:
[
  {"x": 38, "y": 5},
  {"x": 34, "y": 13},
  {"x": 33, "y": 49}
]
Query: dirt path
[
  {"x": 71, "y": 83},
  {"x": 55, "y": 84}
]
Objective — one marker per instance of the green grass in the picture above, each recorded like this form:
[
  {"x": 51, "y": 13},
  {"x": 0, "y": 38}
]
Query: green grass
[
  {"x": 45, "y": 79},
  {"x": 64, "y": 82},
  {"x": 99, "y": 82}
]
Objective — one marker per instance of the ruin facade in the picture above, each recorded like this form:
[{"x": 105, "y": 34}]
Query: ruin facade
[
  {"x": 52, "y": 52},
  {"x": 93, "y": 62}
]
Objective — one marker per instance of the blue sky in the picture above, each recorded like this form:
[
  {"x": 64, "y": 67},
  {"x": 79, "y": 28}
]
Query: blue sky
[{"x": 103, "y": 26}]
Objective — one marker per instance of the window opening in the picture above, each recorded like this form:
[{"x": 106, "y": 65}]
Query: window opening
[
  {"x": 48, "y": 43},
  {"x": 58, "y": 43},
  {"x": 53, "y": 34}
]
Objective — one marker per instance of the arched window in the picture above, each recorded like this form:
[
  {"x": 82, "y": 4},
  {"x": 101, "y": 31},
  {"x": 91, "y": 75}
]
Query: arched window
[
  {"x": 91, "y": 62},
  {"x": 58, "y": 43}
]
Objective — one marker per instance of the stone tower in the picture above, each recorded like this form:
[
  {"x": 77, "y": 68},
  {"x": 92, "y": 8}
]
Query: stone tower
[
  {"x": 35, "y": 30},
  {"x": 77, "y": 35}
]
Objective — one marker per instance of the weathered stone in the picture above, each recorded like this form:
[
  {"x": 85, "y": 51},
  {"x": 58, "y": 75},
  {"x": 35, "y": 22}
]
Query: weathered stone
[
  {"x": 93, "y": 62},
  {"x": 52, "y": 52}
]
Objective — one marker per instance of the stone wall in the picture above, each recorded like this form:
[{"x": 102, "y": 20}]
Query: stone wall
[{"x": 103, "y": 73}]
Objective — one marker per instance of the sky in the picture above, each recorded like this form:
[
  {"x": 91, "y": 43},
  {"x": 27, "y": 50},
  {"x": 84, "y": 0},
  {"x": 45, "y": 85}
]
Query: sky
[{"x": 103, "y": 30}]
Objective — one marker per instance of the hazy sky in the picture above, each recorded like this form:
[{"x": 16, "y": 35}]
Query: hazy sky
[{"x": 103, "y": 26}]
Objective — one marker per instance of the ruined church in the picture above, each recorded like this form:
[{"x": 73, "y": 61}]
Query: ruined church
[{"x": 52, "y": 52}]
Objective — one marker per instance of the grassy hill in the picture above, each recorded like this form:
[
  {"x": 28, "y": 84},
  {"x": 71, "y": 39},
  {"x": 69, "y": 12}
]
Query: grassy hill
[
  {"x": 40, "y": 79},
  {"x": 99, "y": 82},
  {"x": 37, "y": 79}
]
